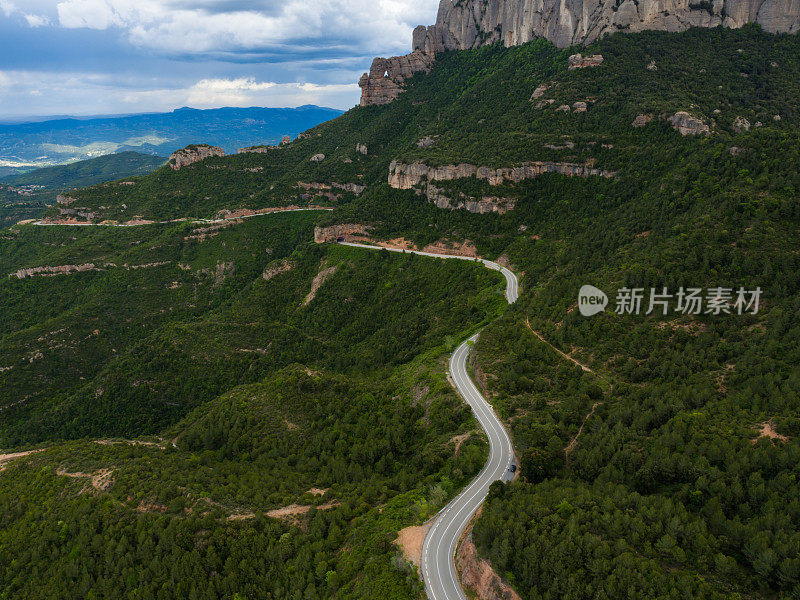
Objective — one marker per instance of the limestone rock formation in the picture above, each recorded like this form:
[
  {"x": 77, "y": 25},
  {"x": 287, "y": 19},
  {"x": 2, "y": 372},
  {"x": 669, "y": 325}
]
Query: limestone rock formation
[
  {"x": 579, "y": 61},
  {"x": 353, "y": 188},
  {"x": 385, "y": 79},
  {"x": 404, "y": 176},
  {"x": 481, "y": 206},
  {"x": 540, "y": 91},
  {"x": 464, "y": 24},
  {"x": 317, "y": 158},
  {"x": 740, "y": 125},
  {"x": 686, "y": 124},
  {"x": 642, "y": 120},
  {"x": 343, "y": 232},
  {"x": 193, "y": 154},
  {"x": 361, "y": 149},
  {"x": 256, "y": 149}
]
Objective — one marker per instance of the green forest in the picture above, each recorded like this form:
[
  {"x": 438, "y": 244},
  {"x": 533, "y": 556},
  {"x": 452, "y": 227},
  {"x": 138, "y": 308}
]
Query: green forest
[{"x": 180, "y": 383}]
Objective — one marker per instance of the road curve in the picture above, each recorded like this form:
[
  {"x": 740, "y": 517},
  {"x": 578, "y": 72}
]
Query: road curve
[
  {"x": 438, "y": 551},
  {"x": 512, "y": 285}
]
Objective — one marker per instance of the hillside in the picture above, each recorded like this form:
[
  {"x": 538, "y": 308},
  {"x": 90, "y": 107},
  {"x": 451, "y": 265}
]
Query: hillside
[
  {"x": 262, "y": 372},
  {"x": 28, "y": 196},
  {"x": 88, "y": 172}
]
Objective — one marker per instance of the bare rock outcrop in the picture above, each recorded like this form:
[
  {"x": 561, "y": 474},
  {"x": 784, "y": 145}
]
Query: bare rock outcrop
[
  {"x": 686, "y": 124},
  {"x": 278, "y": 268},
  {"x": 740, "y": 125},
  {"x": 419, "y": 177},
  {"x": 579, "y": 61},
  {"x": 317, "y": 158},
  {"x": 482, "y": 206},
  {"x": 386, "y": 77},
  {"x": 540, "y": 91},
  {"x": 478, "y": 575},
  {"x": 465, "y": 24},
  {"x": 193, "y": 154},
  {"x": 361, "y": 149},
  {"x": 256, "y": 149},
  {"x": 407, "y": 176},
  {"x": 340, "y": 233},
  {"x": 641, "y": 120},
  {"x": 353, "y": 188}
]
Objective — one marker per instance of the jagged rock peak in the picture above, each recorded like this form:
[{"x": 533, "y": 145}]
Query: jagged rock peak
[
  {"x": 384, "y": 82},
  {"x": 465, "y": 24}
]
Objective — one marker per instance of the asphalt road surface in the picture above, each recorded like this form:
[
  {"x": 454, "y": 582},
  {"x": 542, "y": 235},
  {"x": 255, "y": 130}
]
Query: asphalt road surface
[{"x": 438, "y": 551}]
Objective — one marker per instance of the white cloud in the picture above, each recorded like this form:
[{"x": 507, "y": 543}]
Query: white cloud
[
  {"x": 225, "y": 92},
  {"x": 43, "y": 93},
  {"x": 190, "y": 27},
  {"x": 92, "y": 14},
  {"x": 243, "y": 92},
  {"x": 37, "y": 20},
  {"x": 7, "y": 7}
]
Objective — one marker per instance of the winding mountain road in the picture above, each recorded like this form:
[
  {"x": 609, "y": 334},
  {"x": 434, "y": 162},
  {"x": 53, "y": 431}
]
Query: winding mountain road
[{"x": 438, "y": 551}]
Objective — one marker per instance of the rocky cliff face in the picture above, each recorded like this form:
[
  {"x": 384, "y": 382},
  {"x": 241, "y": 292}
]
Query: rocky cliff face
[
  {"x": 419, "y": 177},
  {"x": 384, "y": 82},
  {"x": 344, "y": 232},
  {"x": 407, "y": 176},
  {"x": 193, "y": 154},
  {"x": 464, "y": 24}
]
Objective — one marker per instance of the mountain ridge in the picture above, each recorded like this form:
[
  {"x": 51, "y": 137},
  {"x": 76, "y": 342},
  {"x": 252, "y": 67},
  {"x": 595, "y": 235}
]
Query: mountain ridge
[{"x": 471, "y": 24}]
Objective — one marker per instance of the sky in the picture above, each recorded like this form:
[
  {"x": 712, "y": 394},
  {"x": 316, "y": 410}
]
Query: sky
[{"x": 100, "y": 57}]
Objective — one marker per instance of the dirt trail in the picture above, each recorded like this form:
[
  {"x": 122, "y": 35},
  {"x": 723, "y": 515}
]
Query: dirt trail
[
  {"x": 295, "y": 510},
  {"x": 574, "y": 442},
  {"x": 7, "y": 458},
  {"x": 562, "y": 354},
  {"x": 570, "y": 448}
]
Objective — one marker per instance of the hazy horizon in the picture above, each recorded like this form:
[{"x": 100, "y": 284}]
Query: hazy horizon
[{"x": 118, "y": 57}]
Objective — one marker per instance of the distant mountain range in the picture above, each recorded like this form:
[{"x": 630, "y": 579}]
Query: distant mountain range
[{"x": 26, "y": 146}]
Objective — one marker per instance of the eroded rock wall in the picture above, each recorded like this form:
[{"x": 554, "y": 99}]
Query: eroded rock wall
[
  {"x": 386, "y": 76},
  {"x": 465, "y": 24},
  {"x": 407, "y": 176},
  {"x": 193, "y": 154},
  {"x": 342, "y": 232}
]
